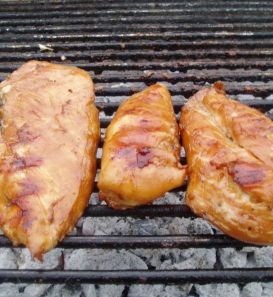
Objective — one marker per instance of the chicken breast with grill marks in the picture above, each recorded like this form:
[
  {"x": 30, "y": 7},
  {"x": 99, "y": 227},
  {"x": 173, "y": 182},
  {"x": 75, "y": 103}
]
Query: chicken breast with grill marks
[
  {"x": 49, "y": 137},
  {"x": 141, "y": 152},
  {"x": 229, "y": 149}
]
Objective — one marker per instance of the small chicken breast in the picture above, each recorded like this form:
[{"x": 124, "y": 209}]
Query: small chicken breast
[
  {"x": 48, "y": 142},
  {"x": 229, "y": 149},
  {"x": 141, "y": 152}
]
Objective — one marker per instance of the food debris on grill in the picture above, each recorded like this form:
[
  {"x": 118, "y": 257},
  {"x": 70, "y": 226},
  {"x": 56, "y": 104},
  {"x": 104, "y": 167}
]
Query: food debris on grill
[{"x": 43, "y": 47}]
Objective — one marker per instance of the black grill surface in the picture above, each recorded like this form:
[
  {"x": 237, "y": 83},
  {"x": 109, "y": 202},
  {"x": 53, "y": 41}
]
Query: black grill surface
[{"x": 125, "y": 46}]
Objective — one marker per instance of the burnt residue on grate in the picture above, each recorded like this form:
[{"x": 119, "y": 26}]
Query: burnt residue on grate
[{"x": 126, "y": 47}]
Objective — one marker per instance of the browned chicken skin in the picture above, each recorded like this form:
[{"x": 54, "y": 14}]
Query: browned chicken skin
[
  {"x": 229, "y": 149},
  {"x": 49, "y": 137},
  {"x": 141, "y": 151}
]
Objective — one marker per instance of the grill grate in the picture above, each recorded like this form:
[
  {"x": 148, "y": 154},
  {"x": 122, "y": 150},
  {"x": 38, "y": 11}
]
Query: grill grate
[{"x": 126, "y": 46}]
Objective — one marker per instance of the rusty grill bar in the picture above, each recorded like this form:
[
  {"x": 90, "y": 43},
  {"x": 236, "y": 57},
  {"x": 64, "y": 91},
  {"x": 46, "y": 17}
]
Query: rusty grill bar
[{"x": 130, "y": 44}]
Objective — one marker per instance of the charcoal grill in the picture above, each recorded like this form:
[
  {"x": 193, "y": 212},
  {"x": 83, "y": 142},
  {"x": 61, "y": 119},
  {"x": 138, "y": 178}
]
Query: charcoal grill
[{"x": 125, "y": 46}]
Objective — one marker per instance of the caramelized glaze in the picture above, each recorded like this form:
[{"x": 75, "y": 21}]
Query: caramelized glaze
[
  {"x": 141, "y": 152},
  {"x": 229, "y": 149},
  {"x": 49, "y": 136}
]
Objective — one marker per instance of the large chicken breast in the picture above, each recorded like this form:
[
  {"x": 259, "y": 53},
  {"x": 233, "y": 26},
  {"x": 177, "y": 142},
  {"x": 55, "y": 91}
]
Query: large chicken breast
[
  {"x": 229, "y": 149},
  {"x": 49, "y": 136},
  {"x": 141, "y": 152}
]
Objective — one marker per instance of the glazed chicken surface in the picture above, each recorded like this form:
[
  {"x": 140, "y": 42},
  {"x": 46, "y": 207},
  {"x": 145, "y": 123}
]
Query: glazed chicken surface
[
  {"x": 141, "y": 152},
  {"x": 229, "y": 149},
  {"x": 49, "y": 136}
]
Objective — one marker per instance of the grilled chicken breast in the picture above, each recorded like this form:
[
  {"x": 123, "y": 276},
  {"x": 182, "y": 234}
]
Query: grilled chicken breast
[
  {"x": 49, "y": 136},
  {"x": 141, "y": 152},
  {"x": 229, "y": 149}
]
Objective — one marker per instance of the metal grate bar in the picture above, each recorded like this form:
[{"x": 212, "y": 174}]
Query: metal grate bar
[
  {"x": 186, "y": 19},
  {"x": 137, "y": 36},
  {"x": 87, "y": 26},
  {"x": 137, "y": 54},
  {"x": 140, "y": 212},
  {"x": 139, "y": 276},
  {"x": 110, "y": 3},
  {"x": 144, "y": 242},
  {"x": 138, "y": 11},
  {"x": 34, "y": 6},
  {"x": 174, "y": 65},
  {"x": 244, "y": 76},
  {"x": 141, "y": 44}
]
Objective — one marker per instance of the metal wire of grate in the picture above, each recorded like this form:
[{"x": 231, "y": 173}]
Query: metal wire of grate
[{"x": 126, "y": 46}]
